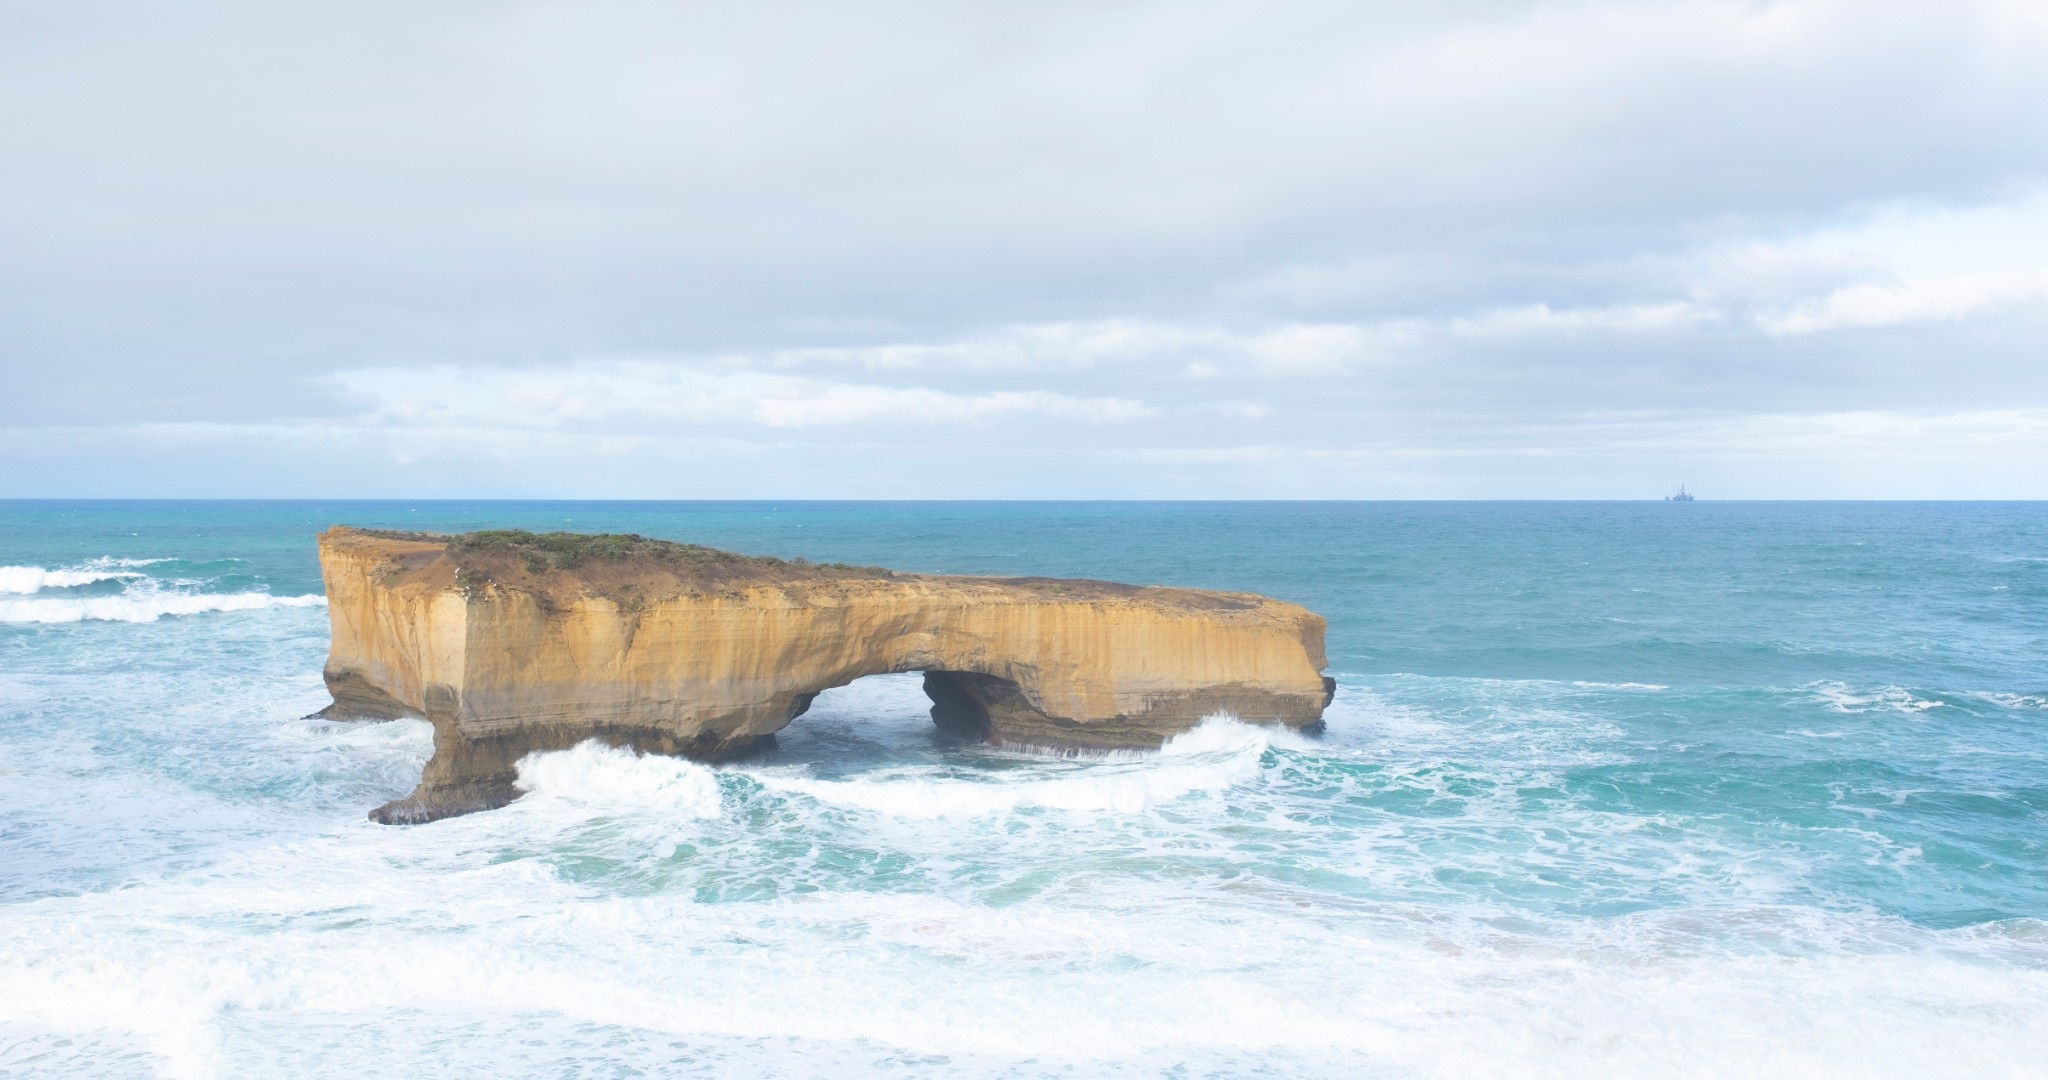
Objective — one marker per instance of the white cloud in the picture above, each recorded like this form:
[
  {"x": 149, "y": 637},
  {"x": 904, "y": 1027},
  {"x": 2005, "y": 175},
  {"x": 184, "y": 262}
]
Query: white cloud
[
  {"x": 1884, "y": 432},
  {"x": 1313, "y": 348},
  {"x": 811, "y": 405},
  {"x": 644, "y": 392},
  {"x": 1538, "y": 319},
  {"x": 1082, "y": 346},
  {"x": 1935, "y": 300},
  {"x": 1055, "y": 346}
]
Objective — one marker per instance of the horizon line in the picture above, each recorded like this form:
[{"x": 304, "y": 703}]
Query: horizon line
[{"x": 936, "y": 501}]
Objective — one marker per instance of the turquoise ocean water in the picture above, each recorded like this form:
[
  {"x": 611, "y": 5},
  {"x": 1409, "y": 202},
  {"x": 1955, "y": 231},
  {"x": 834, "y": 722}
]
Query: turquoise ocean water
[{"x": 1645, "y": 789}]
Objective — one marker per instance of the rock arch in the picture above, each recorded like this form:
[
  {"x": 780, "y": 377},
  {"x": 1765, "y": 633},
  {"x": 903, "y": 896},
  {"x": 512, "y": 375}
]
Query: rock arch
[{"x": 511, "y": 643}]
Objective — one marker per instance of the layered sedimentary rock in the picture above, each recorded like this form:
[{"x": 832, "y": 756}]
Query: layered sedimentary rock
[{"x": 511, "y": 643}]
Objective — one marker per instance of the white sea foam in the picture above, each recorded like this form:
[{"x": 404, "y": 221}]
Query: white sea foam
[
  {"x": 143, "y": 599},
  {"x": 1542, "y": 723},
  {"x": 848, "y": 982},
  {"x": 1841, "y": 698},
  {"x": 29, "y": 579},
  {"x": 143, "y": 605},
  {"x": 1217, "y": 754},
  {"x": 2013, "y": 701},
  {"x": 593, "y": 774}
]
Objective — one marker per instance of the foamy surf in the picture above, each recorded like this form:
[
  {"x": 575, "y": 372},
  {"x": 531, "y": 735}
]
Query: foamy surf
[
  {"x": 592, "y": 774},
  {"x": 837, "y": 983},
  {"x": 1841, "y": 698},
  {"x": 31, "y": 579},
  {"x": 1219, "y": 753},
  {"x": 142, "y": 607},
  {"x": 142, "y": 599},
  {"x": 2013, "y": 701}
]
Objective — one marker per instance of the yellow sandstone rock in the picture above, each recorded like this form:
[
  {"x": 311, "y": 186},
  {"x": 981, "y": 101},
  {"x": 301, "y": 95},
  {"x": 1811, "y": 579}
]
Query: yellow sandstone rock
[{"x": 511, "y": 643}]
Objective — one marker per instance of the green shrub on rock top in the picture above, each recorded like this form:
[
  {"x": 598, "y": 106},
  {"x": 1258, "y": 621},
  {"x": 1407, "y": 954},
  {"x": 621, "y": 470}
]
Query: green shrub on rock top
[{"x": 542, "y": 552}]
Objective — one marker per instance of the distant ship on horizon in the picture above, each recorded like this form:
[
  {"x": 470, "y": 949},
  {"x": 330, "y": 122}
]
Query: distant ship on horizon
[{"x": 1680, "y": 497}]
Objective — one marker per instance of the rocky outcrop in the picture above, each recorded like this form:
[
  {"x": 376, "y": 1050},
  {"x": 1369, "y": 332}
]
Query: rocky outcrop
[{"x": 510, "y": 643}]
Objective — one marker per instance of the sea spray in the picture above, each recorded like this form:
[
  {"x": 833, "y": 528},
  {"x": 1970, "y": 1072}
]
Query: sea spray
[
  {"x": 52, "y": 597},
  {"x": 1219, "y": 753},
  {"x": 594, "y": 775},
  {"x": 29, "y": 579}
]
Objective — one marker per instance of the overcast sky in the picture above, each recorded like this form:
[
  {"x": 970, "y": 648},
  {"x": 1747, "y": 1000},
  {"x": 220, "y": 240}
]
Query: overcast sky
[{"x": 1260, "y": 250}]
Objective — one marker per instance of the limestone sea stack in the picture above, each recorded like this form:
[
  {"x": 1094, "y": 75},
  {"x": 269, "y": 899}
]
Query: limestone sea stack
[{"x": 512, "y": 642}]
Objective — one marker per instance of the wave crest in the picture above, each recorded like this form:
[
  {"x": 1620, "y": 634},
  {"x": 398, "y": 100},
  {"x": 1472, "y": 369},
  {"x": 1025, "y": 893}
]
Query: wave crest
[
  {"x": 29, "y": 579},
  {"x": 1841, "y": 698},
  {"x": 592, "y": 773},
  {"x": 1219, "y": 753},
  {"x": 142, "y": 606}
]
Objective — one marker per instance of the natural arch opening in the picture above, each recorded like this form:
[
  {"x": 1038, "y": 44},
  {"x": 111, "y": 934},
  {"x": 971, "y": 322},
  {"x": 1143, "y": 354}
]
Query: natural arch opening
[
  {"x": 963, "y": 704},
  {"x": 978, "y": 707},
  {"x": 963, "y": 700}
]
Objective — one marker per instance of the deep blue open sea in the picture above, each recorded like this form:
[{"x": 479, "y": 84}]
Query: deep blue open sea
[{"x": 1707, "y": 789}]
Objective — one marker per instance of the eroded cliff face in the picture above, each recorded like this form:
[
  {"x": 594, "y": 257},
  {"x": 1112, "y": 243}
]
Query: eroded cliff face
[{"x": 510, "y": 643}]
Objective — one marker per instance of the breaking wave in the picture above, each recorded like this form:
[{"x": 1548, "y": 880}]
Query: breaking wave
[
  {"x": 2013, "y": 701},
  {"x": 1218, "y": 754},
  {"x": 1841, "y": 698},
  {"x": 147, "y": 607},
  {"x": 142, "y": 598},
  {"x": 594, "y": 774},
  {"x": 29, "y": 579}
]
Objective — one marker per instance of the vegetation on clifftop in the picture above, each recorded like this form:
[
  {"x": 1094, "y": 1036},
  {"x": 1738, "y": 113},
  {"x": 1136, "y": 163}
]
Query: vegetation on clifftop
[
  {"x": 633, "y": 569},
  {"x": 542, "y": 552}
]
